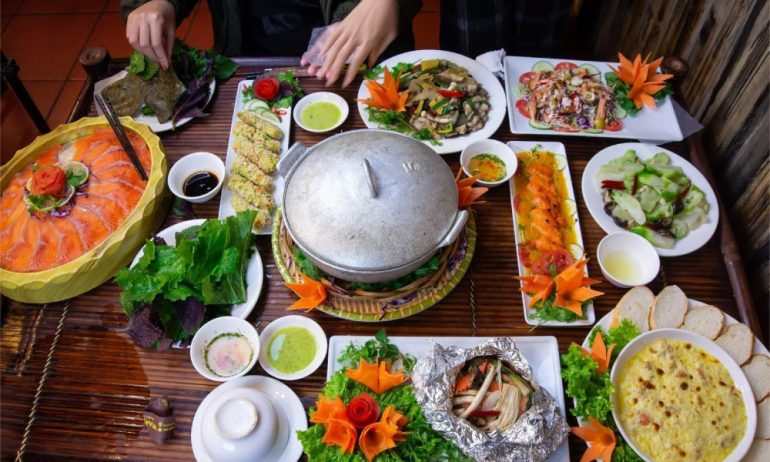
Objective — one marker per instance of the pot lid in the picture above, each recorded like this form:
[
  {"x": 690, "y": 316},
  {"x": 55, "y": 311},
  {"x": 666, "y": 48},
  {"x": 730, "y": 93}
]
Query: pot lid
[{"x": 369, "y": 200}]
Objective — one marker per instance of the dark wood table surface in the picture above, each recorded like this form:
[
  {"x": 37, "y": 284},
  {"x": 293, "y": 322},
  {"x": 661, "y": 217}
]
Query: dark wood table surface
[{"x": 98, "y": 382}]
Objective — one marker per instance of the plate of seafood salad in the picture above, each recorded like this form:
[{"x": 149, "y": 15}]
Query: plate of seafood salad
[
  {"x": 553, "y": 273},
  {"x": 589, "y": 98},
  {"x": 653, "y": 192},
  {"x": 259, "y": 134},
  {"x": 368, "y": 410},
  {"x": 444, "y": 99}
]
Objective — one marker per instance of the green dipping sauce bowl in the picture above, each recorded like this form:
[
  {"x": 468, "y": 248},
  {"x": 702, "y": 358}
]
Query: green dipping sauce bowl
[
  {"x": 321, "y": 112},
  {"x": 292, "y": 347}
]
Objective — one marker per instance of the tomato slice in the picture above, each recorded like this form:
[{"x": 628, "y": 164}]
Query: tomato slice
[
  {"x": 614, "y": 126},
  {"x": 566, "y": 65},
  {"x": 526, "y": 77},
  {"x": 521, "y": 105},
  {"x": 524, "y": 256},
  {"x": 560, "y": 259}
]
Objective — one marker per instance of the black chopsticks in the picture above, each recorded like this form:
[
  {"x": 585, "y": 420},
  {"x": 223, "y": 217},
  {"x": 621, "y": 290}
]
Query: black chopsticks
[{"x": 117, "y": 127}]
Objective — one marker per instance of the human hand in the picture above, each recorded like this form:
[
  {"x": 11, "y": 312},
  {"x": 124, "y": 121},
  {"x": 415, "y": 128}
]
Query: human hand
[
  {"x": 363, "y": 34},
  {"x": 151, "y": 30}
]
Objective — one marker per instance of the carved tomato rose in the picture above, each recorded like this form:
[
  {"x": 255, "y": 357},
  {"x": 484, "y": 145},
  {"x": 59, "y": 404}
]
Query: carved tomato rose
[
  {"x": 266, "y": 89},
  {"x": 363, "y": 410},
  {"x": 49, "y": 181}
]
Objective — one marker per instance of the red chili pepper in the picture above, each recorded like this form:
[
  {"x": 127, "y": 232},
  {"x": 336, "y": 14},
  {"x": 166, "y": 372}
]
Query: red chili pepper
[
  {"x": 480, "y": 413},
  {"x": 450, "y": 93},
  {"x": 636, "y": 185},
  {"x": 609, "y": 184}
]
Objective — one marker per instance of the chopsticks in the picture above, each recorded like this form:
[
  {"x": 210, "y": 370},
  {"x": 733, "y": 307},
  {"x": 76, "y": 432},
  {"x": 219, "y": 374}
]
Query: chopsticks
[{"x": 117, "y": 127}]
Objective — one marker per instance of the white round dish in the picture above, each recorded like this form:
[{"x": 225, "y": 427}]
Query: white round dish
[
  {"x": 150, "y": 120},
  {"x": 285, "y": 402},
  {"x": 326, "y": 96},
  {"x": 293, "y": 321},
  {"x": 592, "y": 195},
  {"x": 479, "y": 72},
  {"x": 254, "y": 271},
  {"x": 638, "y": 249},
  {"x": 211, "y": 330},
  {"x": 193, "y": 163},
  {"x": 496, "y": 148},
  {"x": 243, "y": 425},
  {"x": 741, "y": 383}
]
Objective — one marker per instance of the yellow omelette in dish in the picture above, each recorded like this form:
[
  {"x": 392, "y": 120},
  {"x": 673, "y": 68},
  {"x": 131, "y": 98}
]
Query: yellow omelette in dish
[{"x": 678, "y": 403}]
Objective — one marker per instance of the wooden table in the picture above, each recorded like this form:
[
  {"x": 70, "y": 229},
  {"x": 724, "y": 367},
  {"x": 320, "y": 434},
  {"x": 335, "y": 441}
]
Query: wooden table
[{"x": 98, "y": 382}]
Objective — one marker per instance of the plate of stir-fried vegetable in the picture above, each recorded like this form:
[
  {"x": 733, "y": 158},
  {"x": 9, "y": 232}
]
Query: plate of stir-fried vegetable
[
  {"x": 444, "y": 99},
  {"x": 587, "y": 98}
]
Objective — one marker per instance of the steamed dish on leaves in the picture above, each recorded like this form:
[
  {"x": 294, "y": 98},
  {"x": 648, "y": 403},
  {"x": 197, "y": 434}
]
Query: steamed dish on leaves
[
  {"x": 652, "y": 198},
  {"x": 490, "y": 394}
]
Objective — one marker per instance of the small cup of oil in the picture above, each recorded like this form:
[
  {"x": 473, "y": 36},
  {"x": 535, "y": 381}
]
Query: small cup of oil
[
  {"x": 197, "y": 177},
  {"x": 627, "y": 259}
]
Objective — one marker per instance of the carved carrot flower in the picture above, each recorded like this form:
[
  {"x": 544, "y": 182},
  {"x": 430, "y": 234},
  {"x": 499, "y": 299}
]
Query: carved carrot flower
[
  {"x": 311, "y": 294},
  {"x": 466, "y": 193},
  {"x": 600, "y": 353},
  {"x": 601, "y": 440},
  {"x": 385, "y": 95},
  {"x": 539, "y": 286},
  {"x": 572, "y": 288},
  {"x": 643, "y": 78}
]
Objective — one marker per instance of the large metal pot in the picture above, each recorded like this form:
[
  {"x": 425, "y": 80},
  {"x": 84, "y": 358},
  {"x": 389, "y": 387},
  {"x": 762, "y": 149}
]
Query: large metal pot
[{"x": 369, "y": 205}]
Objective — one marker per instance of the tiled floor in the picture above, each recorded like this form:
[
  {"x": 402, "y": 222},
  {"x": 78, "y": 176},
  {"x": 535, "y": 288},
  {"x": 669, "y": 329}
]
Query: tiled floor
[{"x": 45, "y": 37}]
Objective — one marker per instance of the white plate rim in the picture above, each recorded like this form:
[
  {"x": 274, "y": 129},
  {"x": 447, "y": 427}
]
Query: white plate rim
[
  {"x": 519, "y": 124},
  {"x": 293, "y": 321},
  {"x": 479, "y": 72},
  {"x": 225, "y": 208},
  {"x": 592, "y": 196},
  {"x": 338, "y": 342},
  {"x": 150, "y": 121},
  {"x": 241, "y": 310},
  {"x": 558, "y": 149},
  {"x": 280, "y": 392}
]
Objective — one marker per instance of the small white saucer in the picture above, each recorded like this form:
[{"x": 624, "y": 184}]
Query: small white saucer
[{"x": 286, "y": 402}]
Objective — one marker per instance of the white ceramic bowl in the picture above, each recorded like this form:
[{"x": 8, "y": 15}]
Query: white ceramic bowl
[
  {"x": 243, "y": 425},
  {"x": 293, "y": 321},
  {"x": 329, "y": 97},
  {"x": 497, "y": 148},
  {"x": 192, "y": 163},
  {"x": 215, "y": 327},
  {"x": 638, "y": 249},
  {"x": 741, "y": 383}
]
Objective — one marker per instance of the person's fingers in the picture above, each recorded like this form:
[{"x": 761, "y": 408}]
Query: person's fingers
[
  {"x": 313, "y": 68},
  {"x": 145, "y": 45},
  {"x": 132, "y": 31},
  {"x": 339, "y": 61},
  {"x": 328, "y": 58},
  {"x": 329, "y": 39},
  {"x": 170, "y": 38},
  {"x": 359, "y": 55},
  {"x": 156, "y": 42}
]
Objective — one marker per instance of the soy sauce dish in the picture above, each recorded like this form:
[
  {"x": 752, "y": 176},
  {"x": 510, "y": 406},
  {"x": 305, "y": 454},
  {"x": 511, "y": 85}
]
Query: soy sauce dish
[
  {"x": 225, "y": 348},
  {"x": 197, "y": 177},
  {"x": 292, "y": 347},
  {"x": 321, "y": 112}
]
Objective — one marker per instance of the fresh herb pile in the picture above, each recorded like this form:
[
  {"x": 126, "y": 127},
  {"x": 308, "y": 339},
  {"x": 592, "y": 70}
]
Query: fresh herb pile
[
  {"x": 621, "y": 90},
  {"x": 194, "y": 68},
  {"x": 281, "y": 93},
  {"x": 592, "y": 392},
  {"x": 171, "y": 290},
  {"x": 547, "y": 311},
  {"x": 313, "y": 272},
  {"x": 422, "y": 442}
]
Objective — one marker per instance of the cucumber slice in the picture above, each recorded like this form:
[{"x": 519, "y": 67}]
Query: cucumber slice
[
  {"x": 542, "y": 66},
  {"x": 539, "y": 125},
  {"x": 620, "y": 113},
  {"x": 592, "y": 70},
  {"x": 592, "y": 130},
  {"x": 258, "y": 103},
  {"x": 518, "y": 91},
  {"x": 268, "y": 115}
]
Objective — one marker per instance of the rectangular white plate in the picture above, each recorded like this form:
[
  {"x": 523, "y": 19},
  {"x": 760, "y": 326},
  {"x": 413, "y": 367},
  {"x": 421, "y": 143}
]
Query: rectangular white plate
[
  {"x": 558, "y": 149},
  {"x": 225, "y": 209},
  {"x": 659, "y": 124},
  {"x": 541, "y": 352}
]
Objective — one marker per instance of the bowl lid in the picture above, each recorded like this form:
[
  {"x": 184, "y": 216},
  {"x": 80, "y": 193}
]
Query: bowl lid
[{"x": 369, "y": 200}]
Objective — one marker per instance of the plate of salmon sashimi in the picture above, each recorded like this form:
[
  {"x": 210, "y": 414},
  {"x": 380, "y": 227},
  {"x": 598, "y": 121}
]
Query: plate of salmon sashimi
[{"x": 74, "y": 208}]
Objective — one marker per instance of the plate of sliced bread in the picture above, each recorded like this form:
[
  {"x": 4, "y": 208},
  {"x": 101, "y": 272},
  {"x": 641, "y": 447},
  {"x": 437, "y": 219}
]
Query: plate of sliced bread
[{"x": 671, "y": 308}]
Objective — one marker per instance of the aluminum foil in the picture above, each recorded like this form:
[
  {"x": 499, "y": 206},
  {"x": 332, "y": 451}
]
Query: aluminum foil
[{"x": 534, "y": 437}]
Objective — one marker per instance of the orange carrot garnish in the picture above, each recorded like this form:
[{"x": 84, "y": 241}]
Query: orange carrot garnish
[
  {"x": 383, "y": 435},
  {"x": 539, "y": 286},
  {"x": 377, "y": 376},
  {"x": 341, "y": 433},
  {"x": 600, "y": 353},
  {"x": 327, "y": 408},
  {"x": 571, "y": 290},
  {"x": 311, "y": 294},
  {"x": 600, "y": 438},
  {"x": 643, "y": 78},
  {"x": 466, "y": 193},
  {"x": 385, "y": 95}
]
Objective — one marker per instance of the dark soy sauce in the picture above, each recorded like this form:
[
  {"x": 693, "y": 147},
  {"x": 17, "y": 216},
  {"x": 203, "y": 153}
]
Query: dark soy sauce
[{"x": 199, "y": 183}]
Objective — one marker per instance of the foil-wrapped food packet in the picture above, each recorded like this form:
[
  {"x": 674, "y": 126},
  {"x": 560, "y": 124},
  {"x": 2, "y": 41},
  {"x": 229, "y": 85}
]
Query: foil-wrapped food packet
[{"x": 537, "y": 433}]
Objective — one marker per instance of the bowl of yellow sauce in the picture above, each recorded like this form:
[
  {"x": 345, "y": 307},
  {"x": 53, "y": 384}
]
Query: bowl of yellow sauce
[
  {"x": 679, "y": 396},
  {"x": 321, "y": 112},
  {"x": 492, "y": 161},
  {"x": 627, "y": 259},
  {"x": 292, "y": 347}
]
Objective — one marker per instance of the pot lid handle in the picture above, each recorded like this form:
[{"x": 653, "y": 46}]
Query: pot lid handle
[
  {"x": 289, "y": 158},
  {"x": 370, "y": 178},
  {"x": 454, "y": 232}
]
